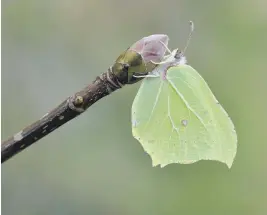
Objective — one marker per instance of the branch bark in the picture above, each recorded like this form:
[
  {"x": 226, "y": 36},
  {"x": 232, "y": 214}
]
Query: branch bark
[
  {"x": 135, "y": 61},
  {"x": 66, "y": 111}
]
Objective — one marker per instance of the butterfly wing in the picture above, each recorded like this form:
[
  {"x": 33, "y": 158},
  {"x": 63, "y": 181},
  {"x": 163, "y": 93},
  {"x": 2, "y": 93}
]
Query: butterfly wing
[
  {"x": 209, "y": 132},
  {"x": 150, "y": 125},
  {"x": 179, "y": 120}
]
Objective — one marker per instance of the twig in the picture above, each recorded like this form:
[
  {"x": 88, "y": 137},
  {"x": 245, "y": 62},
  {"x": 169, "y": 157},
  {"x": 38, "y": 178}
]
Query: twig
[
  {"x": 66, "y": 111},
  {"x": 130, "y": 67}
]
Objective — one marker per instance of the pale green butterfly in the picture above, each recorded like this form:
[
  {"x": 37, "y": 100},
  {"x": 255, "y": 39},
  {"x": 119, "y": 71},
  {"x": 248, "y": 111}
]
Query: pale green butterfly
[{"x": 177, "y": 119}]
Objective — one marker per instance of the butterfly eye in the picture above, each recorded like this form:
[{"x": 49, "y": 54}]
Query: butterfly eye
[{"x": 178, "y": 54}]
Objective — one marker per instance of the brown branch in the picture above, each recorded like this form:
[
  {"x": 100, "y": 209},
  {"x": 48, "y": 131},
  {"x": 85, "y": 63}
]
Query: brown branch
[
  {"x": 66, "y": 111},
  {"x": 134, "y": 62}
]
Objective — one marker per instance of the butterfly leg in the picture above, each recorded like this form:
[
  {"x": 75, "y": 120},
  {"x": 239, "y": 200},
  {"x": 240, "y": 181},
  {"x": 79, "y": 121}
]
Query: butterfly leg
[
  {"x": 158, "y": 63},
  {"x": 166, "y": 47},
  {"x": 142, "y": 75}
]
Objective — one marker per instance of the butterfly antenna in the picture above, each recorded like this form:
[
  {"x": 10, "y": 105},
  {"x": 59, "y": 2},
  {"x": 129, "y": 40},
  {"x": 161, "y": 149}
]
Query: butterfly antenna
[{"x": 189, "y": 36}]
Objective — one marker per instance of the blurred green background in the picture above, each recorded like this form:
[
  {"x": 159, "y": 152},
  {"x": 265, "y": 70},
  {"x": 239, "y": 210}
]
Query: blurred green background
[{"x": 93, "y": 165}]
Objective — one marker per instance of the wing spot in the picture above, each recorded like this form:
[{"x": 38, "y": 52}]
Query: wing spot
[{"x": 184, "y": 122}]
